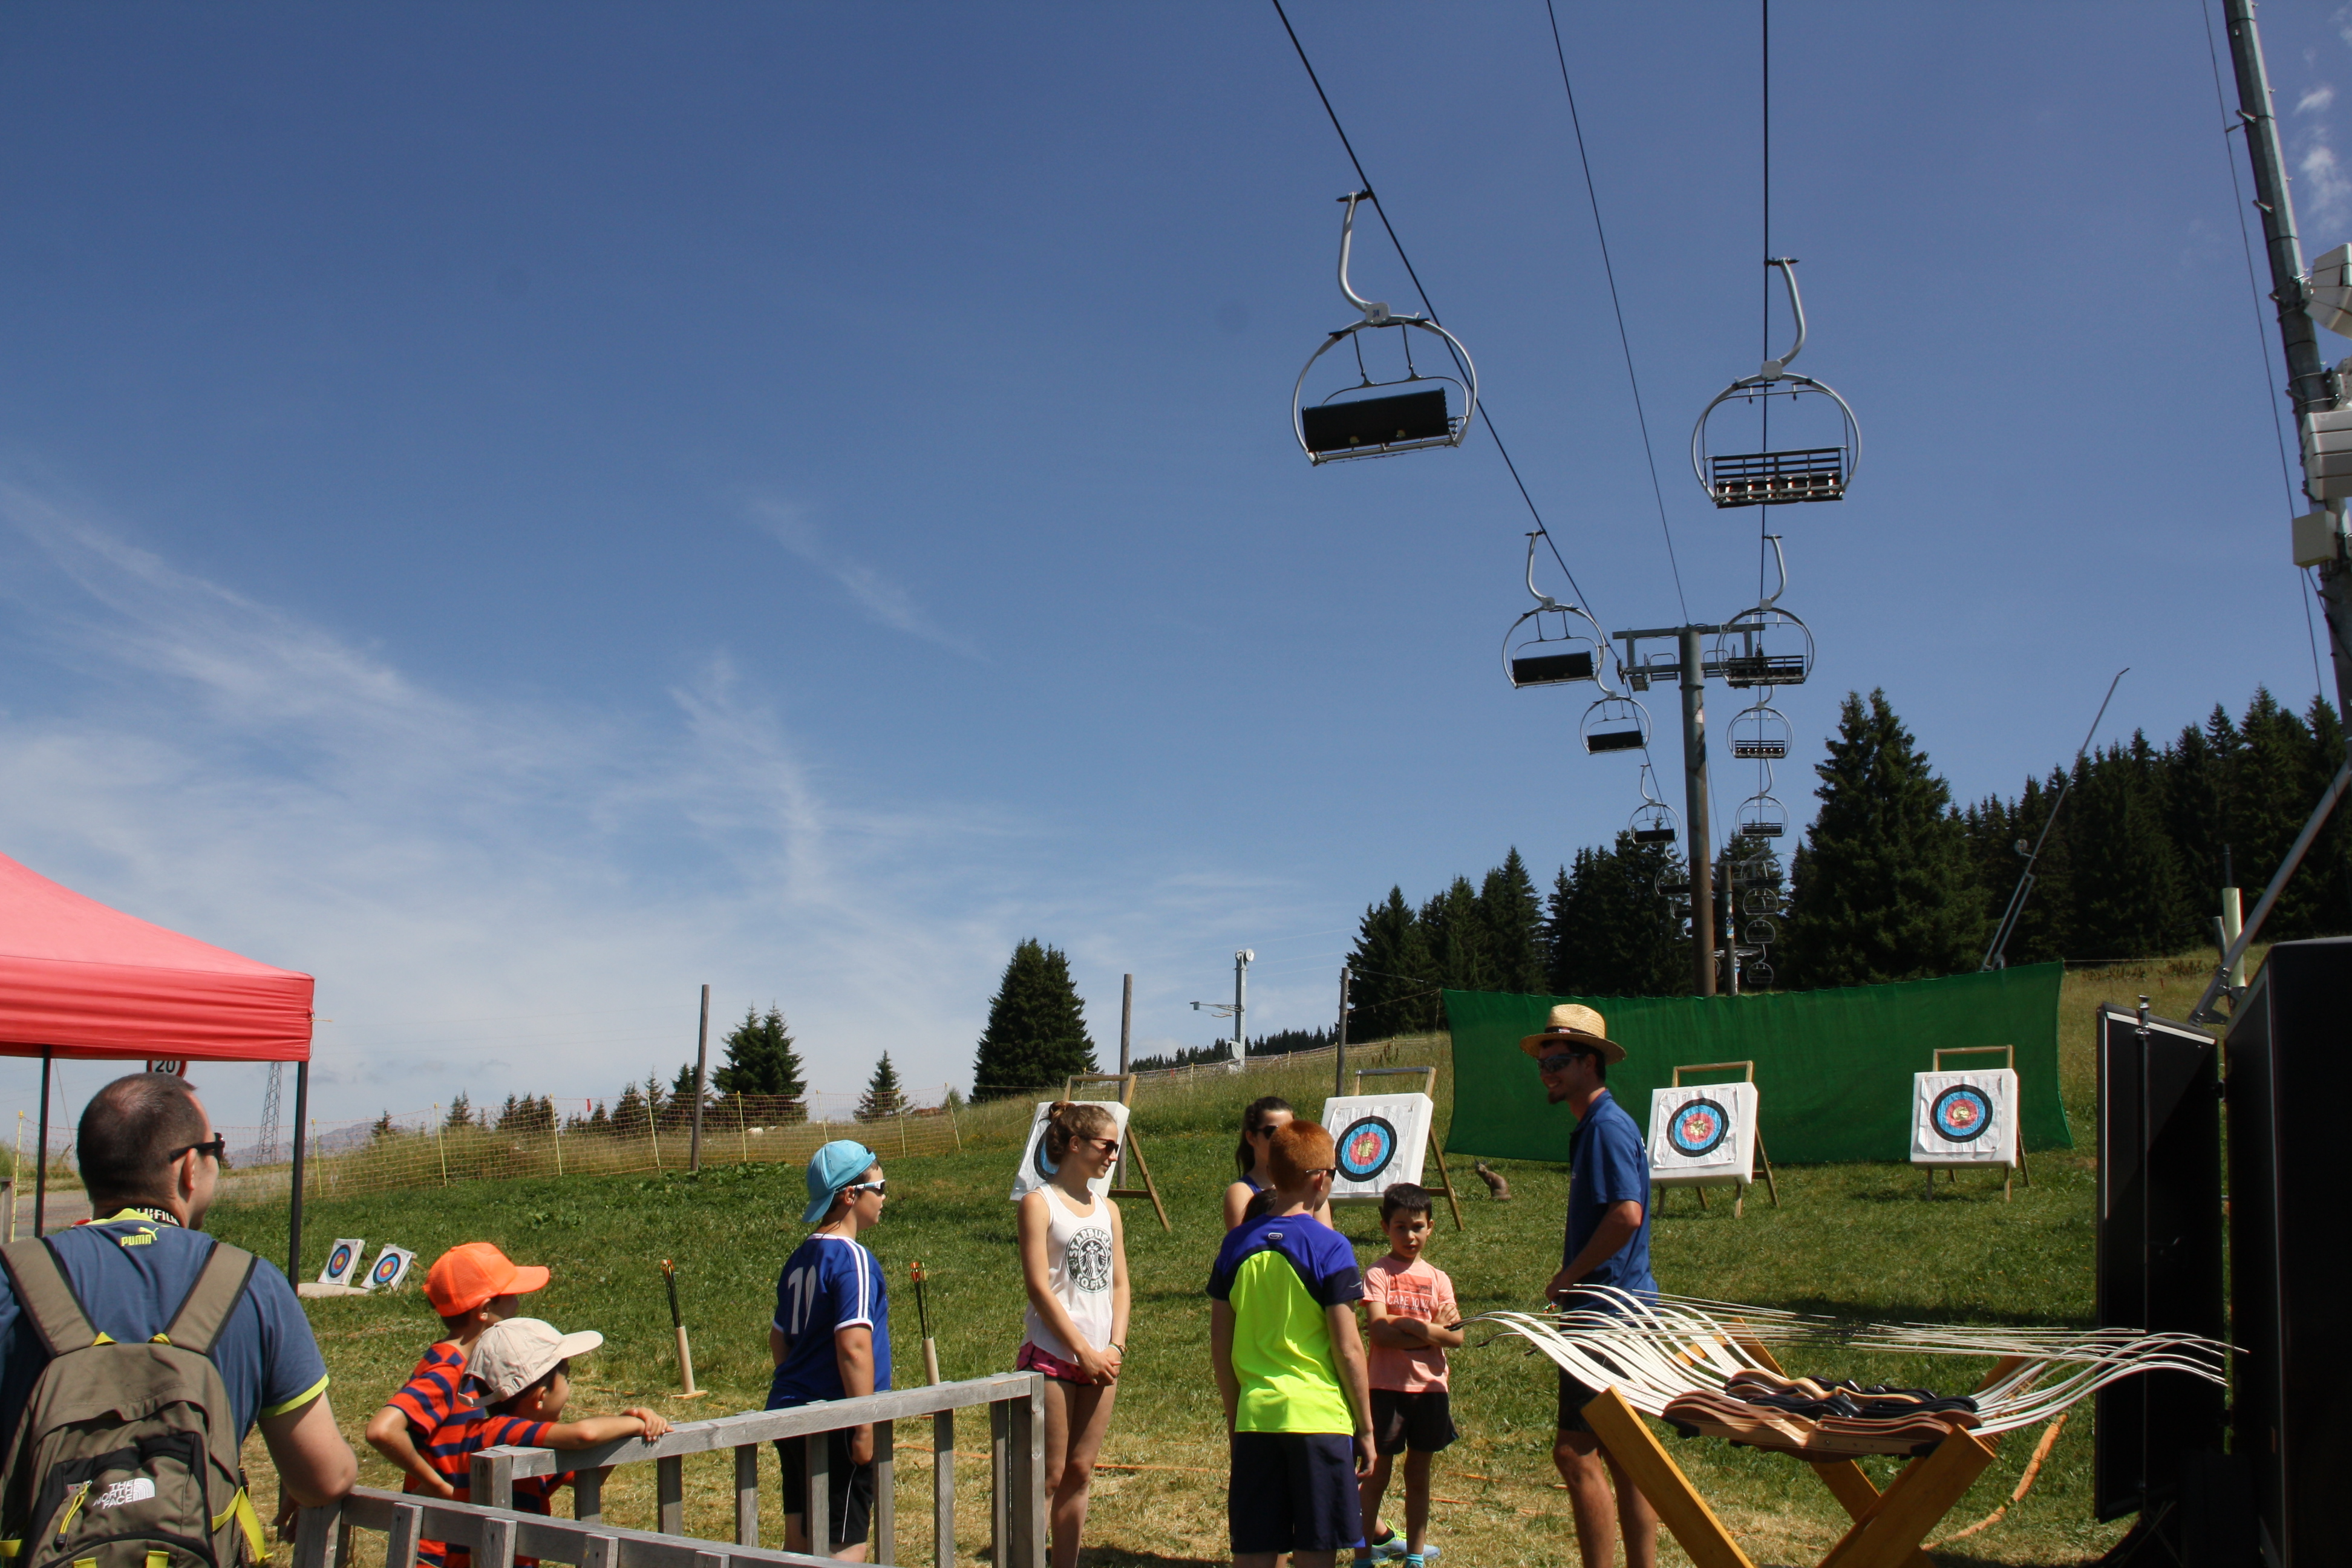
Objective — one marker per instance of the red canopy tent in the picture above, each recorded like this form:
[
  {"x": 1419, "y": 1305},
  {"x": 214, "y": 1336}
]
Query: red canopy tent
[{"x": 79, "y": 979}]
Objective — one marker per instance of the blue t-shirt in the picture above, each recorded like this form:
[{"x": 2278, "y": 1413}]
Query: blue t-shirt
[
  {"x": 829, "y": 1283},
  {"x": 1281, "y": 1275},
  {"x": 1608, "y": 1164},
  {"x": 131, "y": 1274}
]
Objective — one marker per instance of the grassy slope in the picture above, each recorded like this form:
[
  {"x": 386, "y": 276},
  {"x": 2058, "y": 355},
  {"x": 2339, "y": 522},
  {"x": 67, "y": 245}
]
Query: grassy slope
[{"x": 1848, "y": 1238}]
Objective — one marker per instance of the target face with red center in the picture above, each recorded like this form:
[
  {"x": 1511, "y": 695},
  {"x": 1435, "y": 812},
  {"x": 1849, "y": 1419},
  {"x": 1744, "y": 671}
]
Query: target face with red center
[
  {"x": 339, "y": 1262},
  {"x": 1365, "y": 1148},
  {"x": 1697, "y": 1128},
  {"x": 1961, "y": 1113},
  {"x": 386, "y": 1269}
]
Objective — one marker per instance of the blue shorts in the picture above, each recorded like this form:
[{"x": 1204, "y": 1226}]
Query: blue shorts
[{"x": 1295, "y": 1491}]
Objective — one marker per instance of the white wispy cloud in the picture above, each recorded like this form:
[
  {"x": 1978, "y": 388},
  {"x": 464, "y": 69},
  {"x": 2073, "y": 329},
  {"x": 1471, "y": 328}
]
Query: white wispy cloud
[
  {"x": 883, "y": 601},
  {"x": 2315, "y": 99}
]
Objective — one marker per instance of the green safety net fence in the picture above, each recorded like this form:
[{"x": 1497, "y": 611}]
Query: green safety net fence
[{"x": 1833, "y": 1068}]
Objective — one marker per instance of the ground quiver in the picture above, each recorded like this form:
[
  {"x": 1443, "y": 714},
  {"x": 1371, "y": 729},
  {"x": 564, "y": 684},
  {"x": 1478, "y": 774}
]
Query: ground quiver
[{"x": 126, "y": 1455}]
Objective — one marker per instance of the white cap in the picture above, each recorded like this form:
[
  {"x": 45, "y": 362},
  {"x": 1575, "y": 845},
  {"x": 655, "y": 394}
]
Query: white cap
[{"x": 513, "y": 1354}]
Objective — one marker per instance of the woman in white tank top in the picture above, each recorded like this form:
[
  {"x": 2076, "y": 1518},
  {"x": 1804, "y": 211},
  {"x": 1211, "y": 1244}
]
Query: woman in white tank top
[{"x": 1073, "y": 1261}]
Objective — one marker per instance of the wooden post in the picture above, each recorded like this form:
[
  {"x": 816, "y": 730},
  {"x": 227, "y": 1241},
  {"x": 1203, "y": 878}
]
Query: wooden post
[
  {"x": 1888, "y": 1535},
  {"x": 1654, "y": 1471},
  {"x": 1026, "y": 1473},
  {"x": 41, "y": 1155},
  {"x": 670, "y": 1488},
  {"x": 885, "y": 1493},
  {"x": 1000, "y": 1425},
  {"x": 816, "y": 1450},
  {"x": 943, "y": 1489},
  {"x": 701, "y": 1075},
  {"x": 747, "y": 1495},
  {"x": 1340, "y": 1058}
]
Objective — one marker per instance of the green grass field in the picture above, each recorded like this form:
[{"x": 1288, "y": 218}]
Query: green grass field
[{"x": 1850, "y": 1239}]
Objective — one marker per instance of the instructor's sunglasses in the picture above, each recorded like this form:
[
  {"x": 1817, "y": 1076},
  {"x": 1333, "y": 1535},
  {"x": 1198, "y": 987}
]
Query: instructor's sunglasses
[{"x": 217, "y": 1148}]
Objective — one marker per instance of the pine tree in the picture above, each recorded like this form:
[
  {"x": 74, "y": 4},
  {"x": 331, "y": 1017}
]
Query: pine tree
[
  {"x": 1611, "y": 934},
  {"x": 629, "y": 1119},
  {"x": 1392, "y": 980},
  {"x": 461, "y": 1112},
  {"x": 1036, "y": 1035},
  {"x": 1885, "y": 891},
  {"x": 762, "y": 1066},
  {"x": 682, "y": 1095},
  {"x": 1514, "y": 918},
  {"x": 2129, "y": 894},
  {"x": 506, "y": 1121},
  {"x": 383, "y": 1127},
  {"x": 1458, "y": 938},
  {"x": 599, "y": 1121},
  {"x": 883, "y": 1095}
]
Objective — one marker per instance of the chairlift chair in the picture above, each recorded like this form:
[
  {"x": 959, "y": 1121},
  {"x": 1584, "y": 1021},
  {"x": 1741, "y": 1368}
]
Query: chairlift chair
[
  {"x": 1557, "y": 651},
  {"x": 1759, "y": 734},
  {"x": 1762, "y": 931},
  {"x": 1653, "y": 821},
  {"x": 1376, "y": 418},
  {"x": 1762, "y": 816},
  {"x": 1672, "y": 881},
  {"x": 1814, "y": 472},
  {"x": 1760, "y": 901},
  {"x": 1757, "y": 976},
  {"x": 1616, "y": 724}
]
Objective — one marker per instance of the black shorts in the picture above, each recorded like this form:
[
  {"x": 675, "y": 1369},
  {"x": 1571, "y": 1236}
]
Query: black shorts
[
  {"x": 1421, "y": 1422},
  {"x": 850, "y": 1498},
  {"x": 1295, "y": 1491},
  {"x": 1574, "y": 1395}
]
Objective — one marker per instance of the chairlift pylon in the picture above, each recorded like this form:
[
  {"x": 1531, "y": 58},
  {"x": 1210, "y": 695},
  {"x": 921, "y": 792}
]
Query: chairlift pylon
[
  {"x": 1616, "y": 724},
  {"x": 1794, "y": 474},
  {"x": 1343, "y": 425},
  {"x": 1557, "y": 652}
]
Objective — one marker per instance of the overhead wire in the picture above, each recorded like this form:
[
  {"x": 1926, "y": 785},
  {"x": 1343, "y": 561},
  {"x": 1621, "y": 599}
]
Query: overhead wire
[
  {"x": 1379, "y": 209},
  {"x": 1624, "y": 339}
]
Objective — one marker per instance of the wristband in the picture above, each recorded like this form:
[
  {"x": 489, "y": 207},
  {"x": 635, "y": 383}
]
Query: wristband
[{"x": 1119, "y": 1347}]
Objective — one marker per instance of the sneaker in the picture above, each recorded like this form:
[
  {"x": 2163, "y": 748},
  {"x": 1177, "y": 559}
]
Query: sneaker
[
  {"x": 1388, "y": 1548},
  {"x": 1415, "y": 1559}
]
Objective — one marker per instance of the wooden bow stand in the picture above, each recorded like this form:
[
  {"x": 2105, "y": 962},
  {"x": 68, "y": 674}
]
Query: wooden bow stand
[
  {"x": 1133, "y": 1142},
  {"x": 1888, "y": 1528}
]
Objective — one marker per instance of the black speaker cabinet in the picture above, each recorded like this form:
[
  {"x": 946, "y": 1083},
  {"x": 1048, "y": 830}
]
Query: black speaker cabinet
[
  {"x": 2290, "y": 1100},
  {"x": 2159, "y": 1252}
]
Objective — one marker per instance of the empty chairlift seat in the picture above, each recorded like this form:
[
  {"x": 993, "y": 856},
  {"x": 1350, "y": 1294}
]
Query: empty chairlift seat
[
  {"x": 1761, "y": 478},
  {"x": 1551, "y": 669},
  {"x": 1377, "y": 422}
]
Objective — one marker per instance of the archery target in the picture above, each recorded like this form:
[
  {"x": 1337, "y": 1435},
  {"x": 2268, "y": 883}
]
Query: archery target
[
  {"x": 1963, "y": 1118},
  {"x": 1036, "y": 1170},
  {"x": 1703, "y": 1132},
  {"x": 1376, "y": 1140},
  {"x": 342, "y": 1260},
  {"x": 390, "y": 1266}
]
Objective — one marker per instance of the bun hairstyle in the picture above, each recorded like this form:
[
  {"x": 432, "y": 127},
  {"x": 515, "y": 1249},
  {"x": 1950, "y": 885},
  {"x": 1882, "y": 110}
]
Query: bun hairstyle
[
  {"x": 1252, "y": 1121},
  {"x": 1069, "y": 1120}
]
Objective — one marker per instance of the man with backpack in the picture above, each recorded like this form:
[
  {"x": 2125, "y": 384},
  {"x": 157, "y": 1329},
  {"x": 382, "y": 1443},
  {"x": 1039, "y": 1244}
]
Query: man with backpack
[{"x": 141, "y": 1310}]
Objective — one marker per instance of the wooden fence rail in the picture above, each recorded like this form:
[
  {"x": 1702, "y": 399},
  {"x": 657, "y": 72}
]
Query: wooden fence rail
[{"x": 495, "y": 1531}]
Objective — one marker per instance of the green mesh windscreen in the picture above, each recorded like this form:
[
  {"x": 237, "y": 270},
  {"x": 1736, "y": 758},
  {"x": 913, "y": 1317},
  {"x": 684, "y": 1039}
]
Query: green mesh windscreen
[{"x": 1833, "y": 1068}]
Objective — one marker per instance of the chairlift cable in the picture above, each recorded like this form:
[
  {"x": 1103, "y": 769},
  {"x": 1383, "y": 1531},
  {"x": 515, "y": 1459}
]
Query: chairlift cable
[
  {"x": 1625, "y": 339},
  {"x": 1364, "y": 183}
]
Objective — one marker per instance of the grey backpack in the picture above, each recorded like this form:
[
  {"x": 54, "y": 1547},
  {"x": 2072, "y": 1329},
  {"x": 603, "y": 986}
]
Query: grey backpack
[{"x": 126, "y": 1455}]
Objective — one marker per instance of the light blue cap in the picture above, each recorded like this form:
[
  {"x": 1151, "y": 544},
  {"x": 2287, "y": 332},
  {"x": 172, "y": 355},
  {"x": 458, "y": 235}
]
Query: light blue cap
[{"x": 831, "y": 1168}]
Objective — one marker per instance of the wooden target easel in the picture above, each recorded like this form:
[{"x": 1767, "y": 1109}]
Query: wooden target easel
[
  {"x": 1133, "y": 1142},
  {"x": 1444, "y": 1182},
  {"x": 1887, "y": 1527},
  {"x": 1738, "y": 1193},
  {"x": 2009, "y": 1173}
]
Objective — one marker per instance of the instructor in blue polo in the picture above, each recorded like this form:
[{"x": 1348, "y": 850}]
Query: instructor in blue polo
[{"x": 1608, "y": 1243}]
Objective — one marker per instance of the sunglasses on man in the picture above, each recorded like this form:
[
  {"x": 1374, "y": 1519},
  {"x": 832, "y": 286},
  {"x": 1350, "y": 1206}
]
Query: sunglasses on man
[{"x": 217, "y": 1148}]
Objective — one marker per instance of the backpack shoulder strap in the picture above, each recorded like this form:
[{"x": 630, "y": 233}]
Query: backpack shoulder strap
[
  {"x": 47, "y": 1296},
  {"x": 218, "y": 1289}
]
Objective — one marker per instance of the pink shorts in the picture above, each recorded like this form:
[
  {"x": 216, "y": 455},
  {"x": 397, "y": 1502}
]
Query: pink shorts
[{"x": 1032, "y": 1359}]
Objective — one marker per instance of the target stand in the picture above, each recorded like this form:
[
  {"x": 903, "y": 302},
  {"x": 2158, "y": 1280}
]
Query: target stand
[
  {"x": 1702, "y": 1140},
  {"x": 1133, "y": 1144},
  {"x": 1378, "y": 1127},
  {"x": 1969, "y": 1118}
]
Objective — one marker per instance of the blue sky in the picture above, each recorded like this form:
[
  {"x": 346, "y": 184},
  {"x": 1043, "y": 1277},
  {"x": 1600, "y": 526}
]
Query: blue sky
[{"x": 520, "y": 511}]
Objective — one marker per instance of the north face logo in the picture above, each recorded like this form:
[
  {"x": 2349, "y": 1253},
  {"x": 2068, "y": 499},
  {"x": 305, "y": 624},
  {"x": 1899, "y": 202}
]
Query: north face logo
[{"x": 138, "y": 1488}]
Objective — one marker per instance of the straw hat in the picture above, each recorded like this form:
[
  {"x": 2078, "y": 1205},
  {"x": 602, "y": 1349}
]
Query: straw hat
[{"x": 1571, "y": 1024}]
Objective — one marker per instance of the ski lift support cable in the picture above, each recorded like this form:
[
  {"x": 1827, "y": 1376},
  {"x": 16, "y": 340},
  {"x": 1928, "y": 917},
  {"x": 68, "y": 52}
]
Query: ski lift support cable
[
  {"x": 1996, "y": 953},
  {"x": 1364, "y": 184},
  {"x": 1624, "y": 339}
]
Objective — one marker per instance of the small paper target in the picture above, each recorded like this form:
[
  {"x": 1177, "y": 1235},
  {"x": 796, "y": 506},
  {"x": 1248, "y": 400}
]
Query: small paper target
[
  {"x": 342, "y": 1260},
  {"x": 1699, "y": 1127},
  {"x": 1367, "y": 1148},
  {"x": 390, "y": 1268},
  {"x": 1961, "y": 1113}
]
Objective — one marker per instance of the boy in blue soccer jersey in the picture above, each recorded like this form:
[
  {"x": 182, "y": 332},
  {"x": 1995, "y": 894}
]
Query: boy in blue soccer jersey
[
  {"x": 830, "y": 1339},
  {"x": 1290, "y": 1367}
]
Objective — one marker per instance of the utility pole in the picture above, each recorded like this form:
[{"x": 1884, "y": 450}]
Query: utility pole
[
  {"x": 701, "y": 1077},
  {"x": 1125, "y": 1022},
  {"x": 1240, "y": 1005},
  {"x": 1340, "y": 1060},
  {"x": 2310, "y": 384}
]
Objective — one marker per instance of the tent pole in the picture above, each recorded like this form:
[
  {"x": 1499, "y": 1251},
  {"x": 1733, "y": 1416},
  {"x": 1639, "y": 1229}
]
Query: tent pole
[
  {"x": 41, "y": 1153},
  {"x": 301, "y": 1115}
]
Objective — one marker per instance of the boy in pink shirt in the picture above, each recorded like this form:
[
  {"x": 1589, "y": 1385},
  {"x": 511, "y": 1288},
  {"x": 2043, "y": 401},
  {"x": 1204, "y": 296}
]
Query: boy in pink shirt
[{"x": 1414, "y": 1322}]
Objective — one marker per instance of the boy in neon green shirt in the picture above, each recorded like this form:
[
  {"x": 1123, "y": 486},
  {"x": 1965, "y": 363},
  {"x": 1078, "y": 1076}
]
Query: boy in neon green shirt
[{"x": 1290, "y": 1367}]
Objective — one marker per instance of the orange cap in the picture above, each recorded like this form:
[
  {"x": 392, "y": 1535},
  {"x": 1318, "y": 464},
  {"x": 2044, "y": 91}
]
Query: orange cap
[{"x": 465, "y": 1277}]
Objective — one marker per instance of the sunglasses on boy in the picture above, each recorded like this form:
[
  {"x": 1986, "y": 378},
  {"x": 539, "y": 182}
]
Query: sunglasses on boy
[{"x": 883, "y": 1187}]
